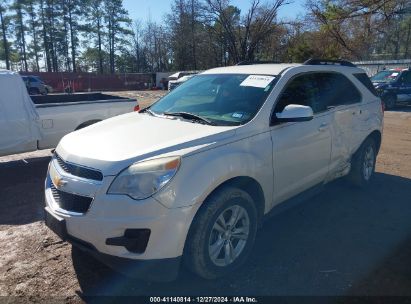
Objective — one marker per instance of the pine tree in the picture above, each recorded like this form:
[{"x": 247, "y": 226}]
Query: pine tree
[
  {"x": 4, "y": 31},
  {"x": 20, "y": 29},
  {"x": 30, "y": 7},
  {"x": 94, "y": 29},
  {"x": 118, "y": 24}
]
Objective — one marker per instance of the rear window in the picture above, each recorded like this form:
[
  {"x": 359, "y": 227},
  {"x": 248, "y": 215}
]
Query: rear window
[{"x": 365, "y": 80}]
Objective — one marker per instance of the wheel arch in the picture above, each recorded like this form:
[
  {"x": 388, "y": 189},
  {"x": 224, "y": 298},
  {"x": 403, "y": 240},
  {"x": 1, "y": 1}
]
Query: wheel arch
[
  {"x": 245, "y": 183},
  {"x": 249, "y": 185},
  {"x": 377, "y": 137}
]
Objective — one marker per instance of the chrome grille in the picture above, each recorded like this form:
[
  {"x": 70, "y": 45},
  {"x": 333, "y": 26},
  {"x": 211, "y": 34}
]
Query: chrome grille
[{"x": 70, "y": 202}]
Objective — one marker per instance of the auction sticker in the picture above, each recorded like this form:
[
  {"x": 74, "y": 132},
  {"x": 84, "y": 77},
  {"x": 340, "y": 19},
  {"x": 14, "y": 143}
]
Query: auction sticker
[{"x": 257, "y": 81}]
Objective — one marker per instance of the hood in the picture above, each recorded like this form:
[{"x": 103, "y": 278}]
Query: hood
[{"x": 116, "y": 143}]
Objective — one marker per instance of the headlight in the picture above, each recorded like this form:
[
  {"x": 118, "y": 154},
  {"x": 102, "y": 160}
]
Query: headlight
[{"x": 143, "y": 179}]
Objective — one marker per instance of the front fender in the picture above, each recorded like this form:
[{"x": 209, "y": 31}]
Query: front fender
[{"x": 203, "y": 172}]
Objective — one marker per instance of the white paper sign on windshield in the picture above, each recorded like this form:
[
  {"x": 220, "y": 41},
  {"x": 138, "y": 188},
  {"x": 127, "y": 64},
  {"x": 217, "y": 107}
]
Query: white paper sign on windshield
[{"x": 257, "y": 81}]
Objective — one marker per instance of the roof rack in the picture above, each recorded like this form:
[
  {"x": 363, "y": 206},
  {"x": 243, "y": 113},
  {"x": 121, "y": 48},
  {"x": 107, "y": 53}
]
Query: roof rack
[
  {"x": 248, "y": 62},
  {"x": 313, "y": 61}
]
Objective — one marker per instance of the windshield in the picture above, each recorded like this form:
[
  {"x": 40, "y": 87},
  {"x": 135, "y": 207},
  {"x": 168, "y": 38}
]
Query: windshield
[
  {"x": 223, "y": 99},
  {"x": 385, "y": 76}
]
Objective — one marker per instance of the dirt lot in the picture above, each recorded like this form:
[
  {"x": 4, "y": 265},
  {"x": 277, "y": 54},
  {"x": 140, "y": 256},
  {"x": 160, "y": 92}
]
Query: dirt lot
[
  {"x": 342, "y": 242},
  {"x": 145, "y": 98}
]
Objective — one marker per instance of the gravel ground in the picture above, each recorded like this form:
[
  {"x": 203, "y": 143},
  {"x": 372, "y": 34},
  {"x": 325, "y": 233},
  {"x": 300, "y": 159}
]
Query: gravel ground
[
  {"x": 145, "y": 98},
  {"x": 342, "y": 242}
]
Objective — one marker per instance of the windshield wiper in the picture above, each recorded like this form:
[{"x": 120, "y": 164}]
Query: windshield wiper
[
  {"x": 147, "y": 110},
  {"x": 191, "y": 116}
]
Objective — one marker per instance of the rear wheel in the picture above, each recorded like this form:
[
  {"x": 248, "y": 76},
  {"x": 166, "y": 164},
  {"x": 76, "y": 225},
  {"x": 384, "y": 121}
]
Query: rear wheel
[
  {"x": 363, "y": 163},
  {"x": 222, "y": 234}
]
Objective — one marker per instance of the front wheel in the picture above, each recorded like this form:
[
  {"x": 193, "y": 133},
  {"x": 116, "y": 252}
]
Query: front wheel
[
  {"x": 363, "y": 163},
  {"x": 222, "y": 234}
]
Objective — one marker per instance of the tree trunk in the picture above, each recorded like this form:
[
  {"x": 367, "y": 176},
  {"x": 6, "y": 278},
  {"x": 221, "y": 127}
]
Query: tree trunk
[
  {"x": 407, "y": 41},
  {"x": 34, "y": 33},
  {"x": 45, "y": 38},
  {"x": 52, "y": 43},
  {"x": 22, "y": 36},
  {"x": 100, "y": 54},
  {"x": 72, "y": 38},
  {"x": 66, "y": 42},
  {"x": 111, "y": 43},
  {"x": 193, "y": 39},
  {"x": 5, "y": 42}
]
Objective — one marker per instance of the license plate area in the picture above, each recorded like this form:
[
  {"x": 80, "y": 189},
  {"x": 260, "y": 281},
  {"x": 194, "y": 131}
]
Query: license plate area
[{"x": 56, "y": 224}]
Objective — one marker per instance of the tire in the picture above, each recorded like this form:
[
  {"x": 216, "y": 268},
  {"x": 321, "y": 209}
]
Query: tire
[
  {"x": 206, "y": 236},
  {"x": 34, "y": 91},
  {"x": 390, "y": 102},
  {"x": 363, "y": 164}
]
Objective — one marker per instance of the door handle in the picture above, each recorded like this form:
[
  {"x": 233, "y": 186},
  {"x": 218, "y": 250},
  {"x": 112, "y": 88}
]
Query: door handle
[{"x": 323, "y": 127}]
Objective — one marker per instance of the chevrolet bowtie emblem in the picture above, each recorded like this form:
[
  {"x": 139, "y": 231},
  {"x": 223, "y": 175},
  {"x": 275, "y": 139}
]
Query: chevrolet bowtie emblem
[{"x": 59, "y": 182}]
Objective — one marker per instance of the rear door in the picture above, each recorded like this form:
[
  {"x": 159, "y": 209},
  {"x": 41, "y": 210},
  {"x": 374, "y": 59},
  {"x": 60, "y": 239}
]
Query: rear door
[
  {"x": 301, "y": 150},
  {"x": 343, "y": 101}
]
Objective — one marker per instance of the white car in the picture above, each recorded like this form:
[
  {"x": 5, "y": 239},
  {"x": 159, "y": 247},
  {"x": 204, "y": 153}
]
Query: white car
[
  {"x": 211, "y": 159},
  {"x": 172, "y": 84},
  {"x": 26, "y": 126}
]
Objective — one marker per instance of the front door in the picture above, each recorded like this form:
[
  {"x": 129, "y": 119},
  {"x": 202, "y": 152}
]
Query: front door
[
  {"x": 301, "y": 150},
  {"x": 404, "y": 87}
]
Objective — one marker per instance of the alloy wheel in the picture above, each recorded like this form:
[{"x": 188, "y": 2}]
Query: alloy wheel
[
  {"x": 229, "y": 235},
  {"x": 369, "y": 162}
]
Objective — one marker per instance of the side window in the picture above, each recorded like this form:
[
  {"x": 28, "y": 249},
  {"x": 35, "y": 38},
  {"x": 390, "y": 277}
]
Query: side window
[
  {"x": 406, "y": 78},
  {"x": 319, "y": 91},
  {"x": 336, "y": 90},
  {"x": 365, "y": 80},
  {"x": 302, "y": 90}
]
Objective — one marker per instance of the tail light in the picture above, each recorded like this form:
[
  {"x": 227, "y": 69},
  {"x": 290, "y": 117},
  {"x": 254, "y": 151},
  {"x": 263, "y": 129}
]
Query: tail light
[{"x": 137, "y": 108}]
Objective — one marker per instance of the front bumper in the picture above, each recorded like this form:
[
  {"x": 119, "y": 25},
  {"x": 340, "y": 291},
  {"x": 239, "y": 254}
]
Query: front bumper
[
  {"x": 109, "y": 216},
  {"x": 163, "y": 270}
]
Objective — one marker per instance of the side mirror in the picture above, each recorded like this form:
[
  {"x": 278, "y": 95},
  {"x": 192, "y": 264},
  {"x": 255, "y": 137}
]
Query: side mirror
[{"x": 294, "y": 113}]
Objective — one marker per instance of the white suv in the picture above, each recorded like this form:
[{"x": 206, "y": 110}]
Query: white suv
[{"x": 192, "y": 177}]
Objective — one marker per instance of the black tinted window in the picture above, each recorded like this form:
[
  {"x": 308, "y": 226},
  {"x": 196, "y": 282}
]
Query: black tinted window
[
  {"x": 365, "y": 80},
  {"x": 302, "y": 90},
  {"x": 319, "y": 91},
  {"x": 406, "y": 77},
  {"x": 336, "y": 90}
]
